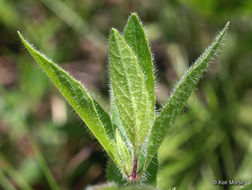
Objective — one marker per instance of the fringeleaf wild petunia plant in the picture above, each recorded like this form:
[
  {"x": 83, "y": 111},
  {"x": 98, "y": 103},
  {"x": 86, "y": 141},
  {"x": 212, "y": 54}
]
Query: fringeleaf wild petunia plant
[{"x": 133, "y": 131}]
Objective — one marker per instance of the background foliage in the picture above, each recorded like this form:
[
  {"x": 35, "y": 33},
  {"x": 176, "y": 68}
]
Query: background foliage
[{"x": 210, "y": 140}]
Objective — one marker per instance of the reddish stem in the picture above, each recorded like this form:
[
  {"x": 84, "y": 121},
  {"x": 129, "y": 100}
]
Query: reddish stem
[{"x": 133, "y": 177}]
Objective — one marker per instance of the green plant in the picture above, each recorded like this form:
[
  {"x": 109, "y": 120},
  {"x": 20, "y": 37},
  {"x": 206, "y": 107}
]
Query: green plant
[{"x": 133, "y": 132}]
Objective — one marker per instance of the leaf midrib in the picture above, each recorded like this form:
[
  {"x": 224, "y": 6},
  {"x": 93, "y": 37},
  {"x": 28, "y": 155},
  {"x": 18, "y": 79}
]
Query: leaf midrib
[{"x": 129, "y": 87}]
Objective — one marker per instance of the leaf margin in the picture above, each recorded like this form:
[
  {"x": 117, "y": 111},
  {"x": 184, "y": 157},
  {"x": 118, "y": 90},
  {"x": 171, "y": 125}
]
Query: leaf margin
[
  {"x": 156, "y": 138},
  {"x": 134, "y": 30},
  {"x": 108, "y": 143},
  {"x": 115, "y": 37}
]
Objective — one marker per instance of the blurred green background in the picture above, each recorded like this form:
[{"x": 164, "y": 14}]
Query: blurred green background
[{"x": 210, "y": 140}]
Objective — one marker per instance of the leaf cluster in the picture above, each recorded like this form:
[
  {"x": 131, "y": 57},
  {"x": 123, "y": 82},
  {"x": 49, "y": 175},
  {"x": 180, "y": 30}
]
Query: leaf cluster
[{"x": 132, "y": 133}]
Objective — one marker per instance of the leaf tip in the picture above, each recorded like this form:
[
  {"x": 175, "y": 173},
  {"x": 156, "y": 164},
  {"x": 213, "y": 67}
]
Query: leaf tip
[
  {"x": 23, "y": 40},
  {"x": 134, "y": 15},
  {"x": 224, "y": 30},
  {"x": 113, "y": 32},
  {"x": 19, "y": 34},
  {"x": 226, "y": 26},
  {"x": 134, "y": 18}
]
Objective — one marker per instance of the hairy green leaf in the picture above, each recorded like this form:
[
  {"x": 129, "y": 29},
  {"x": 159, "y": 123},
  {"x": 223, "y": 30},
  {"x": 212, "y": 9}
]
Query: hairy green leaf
[
  {"x": 180, "y": 95},
  {"x": 135, "y": 37},
  {"x": 150, "y": 175},
  {"x": 105, "y": 119},
  {"x": 124, "y": 155},
  {"x": 130, "y": 93},
  {"x": 114, "y": 174},
  {"x": 116, "y": 121},
  {"x": 89, "y": 110},
  {"x": 121, "y": 138}
]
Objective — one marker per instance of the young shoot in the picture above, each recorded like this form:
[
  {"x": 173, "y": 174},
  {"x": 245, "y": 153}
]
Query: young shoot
[{"x": 131, "y": 133}]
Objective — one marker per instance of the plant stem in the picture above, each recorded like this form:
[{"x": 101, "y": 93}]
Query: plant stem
[{"x": 133, "y": 177}]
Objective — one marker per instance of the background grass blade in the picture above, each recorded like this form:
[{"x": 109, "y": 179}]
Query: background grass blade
[
  {"x": 41, "y": 160},
  {"x": 180, "y": 95},
  {"x": 75, "y": 21},
  {"x": 78, "y": 97},
  {"x": 5, "y": 183},
  {"x": 19, "y": 179},
  {"x": 135, "y": 37},
  {"x": 129, "y": 90}
]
